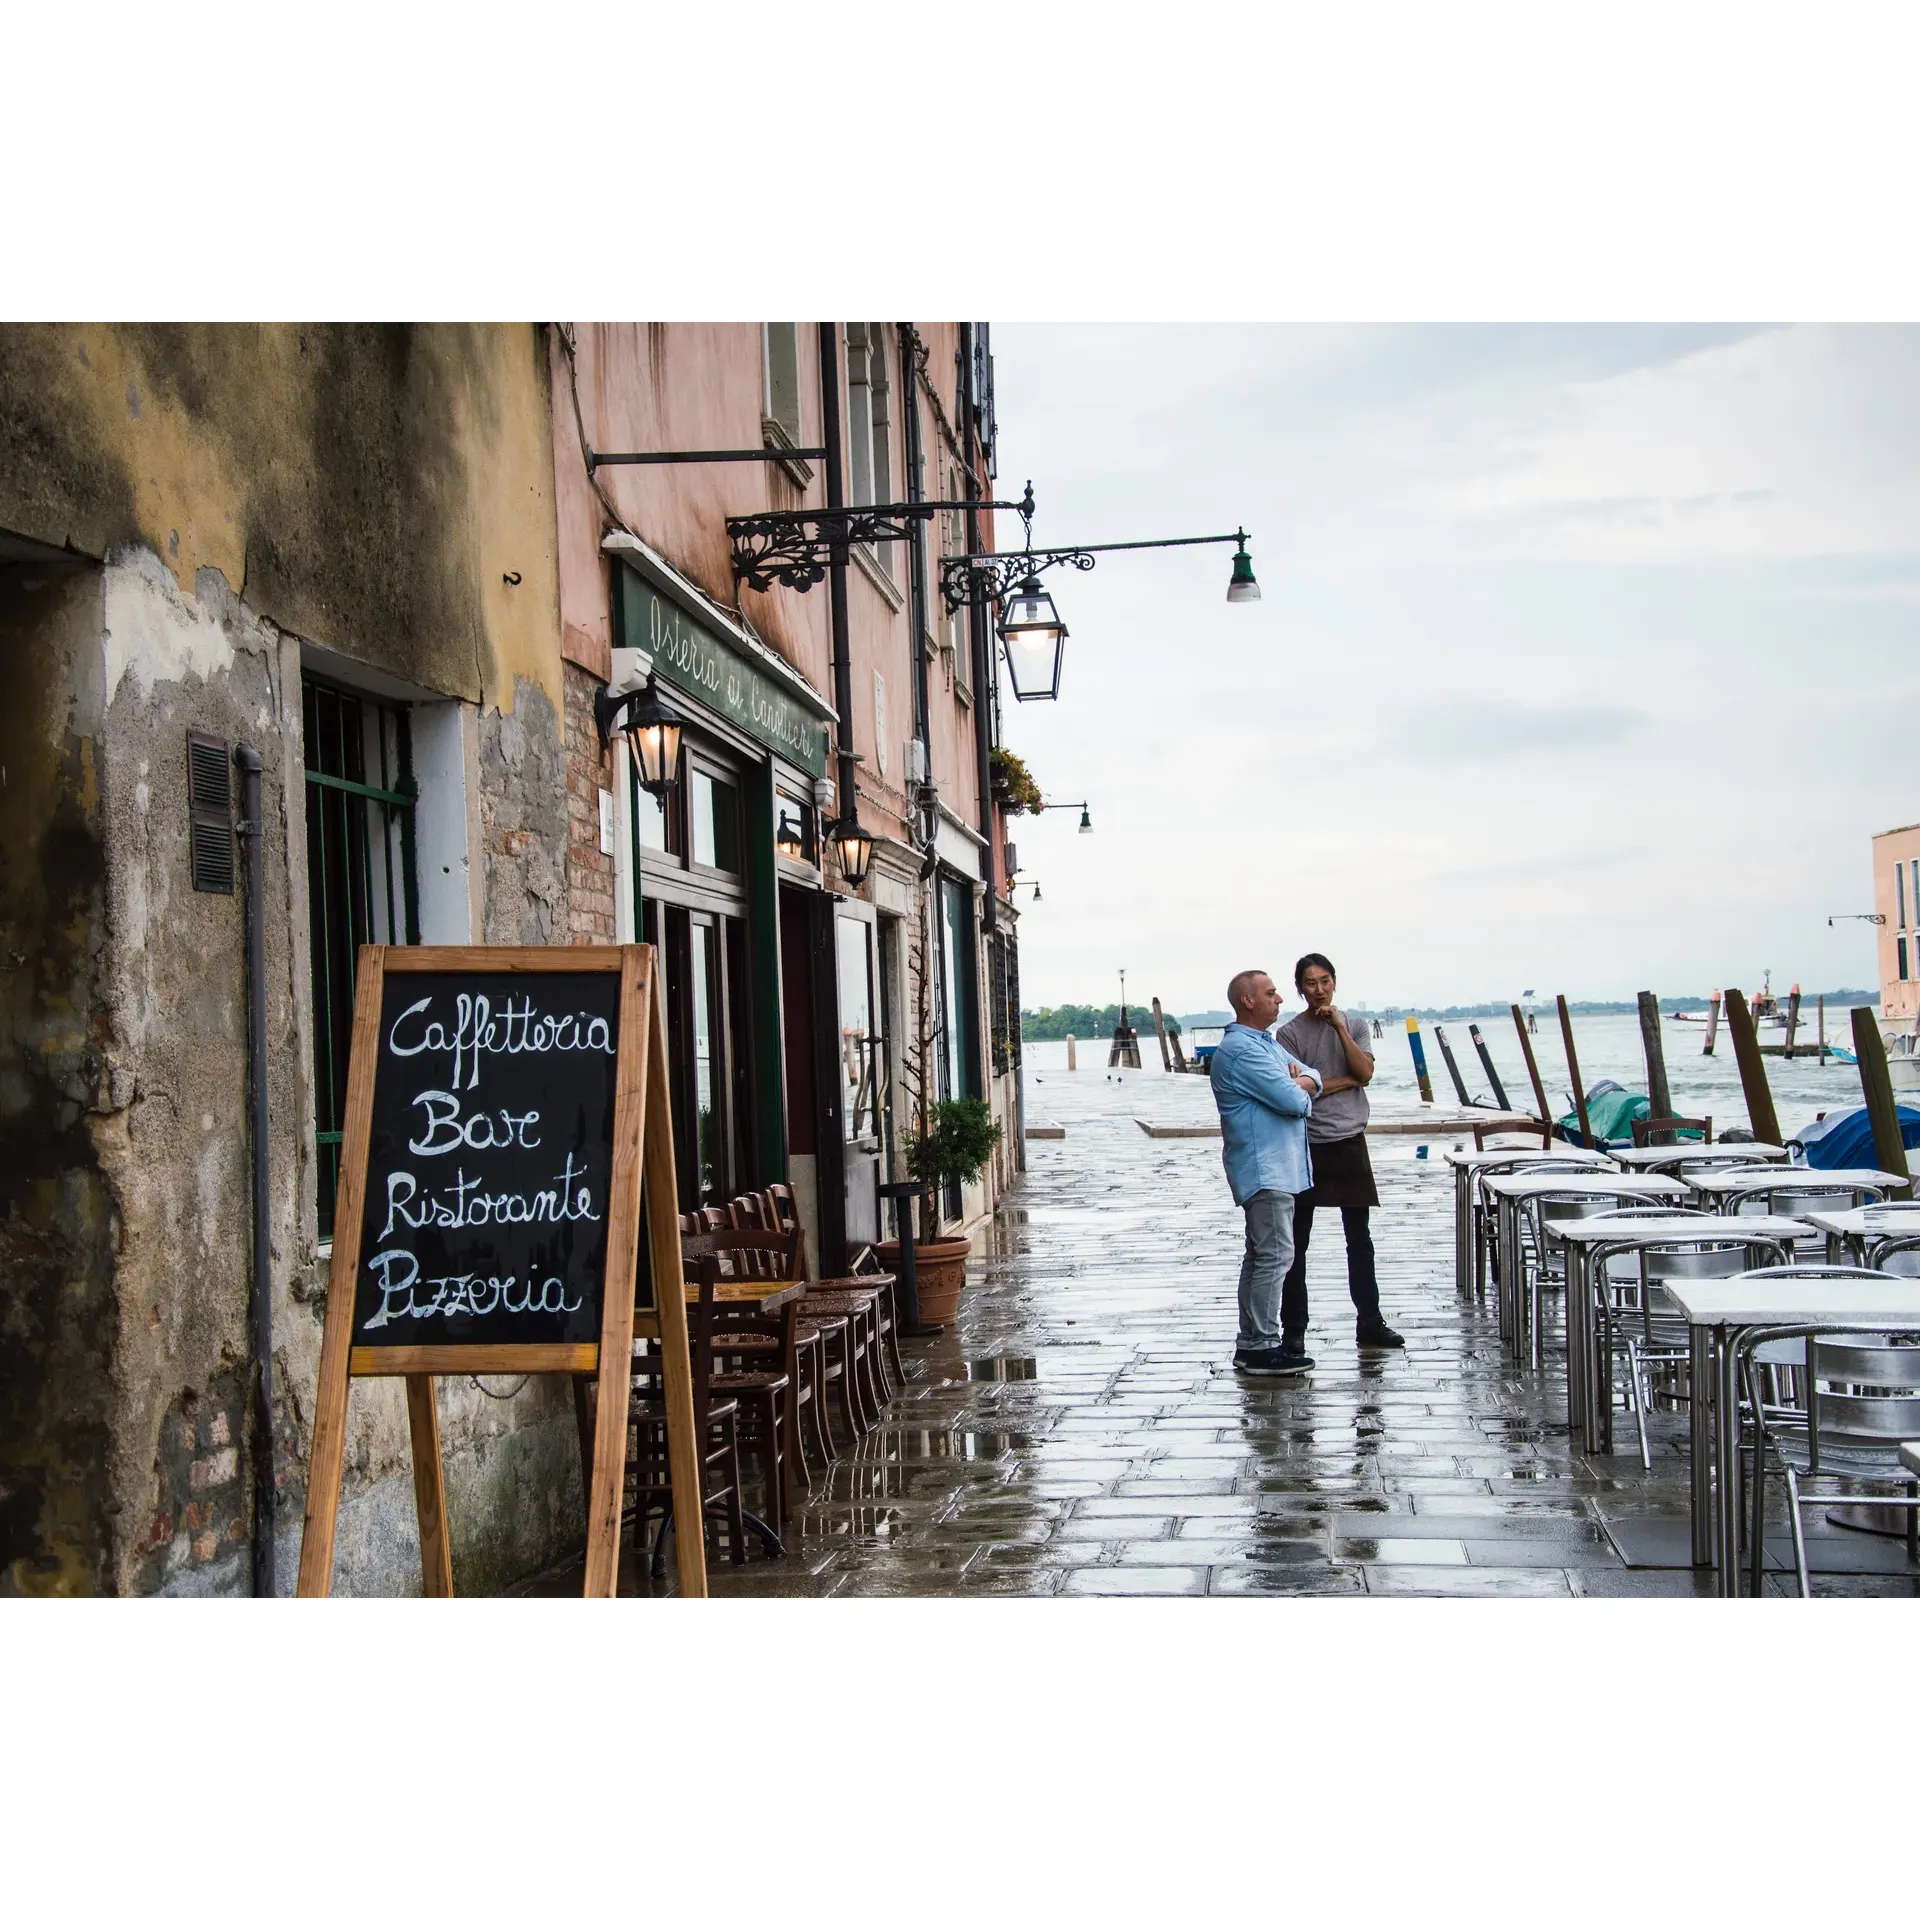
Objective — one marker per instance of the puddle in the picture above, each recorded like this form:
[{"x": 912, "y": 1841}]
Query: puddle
[{"x": 1004, "y": 1366}]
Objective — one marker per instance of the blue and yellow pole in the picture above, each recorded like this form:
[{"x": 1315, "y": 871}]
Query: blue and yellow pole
[{"x": 1419, "y": 1059}]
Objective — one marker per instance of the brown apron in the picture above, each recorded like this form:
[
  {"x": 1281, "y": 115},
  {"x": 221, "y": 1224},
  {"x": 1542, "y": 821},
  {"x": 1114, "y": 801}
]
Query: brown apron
[{"x": 1342, "y": 1174}]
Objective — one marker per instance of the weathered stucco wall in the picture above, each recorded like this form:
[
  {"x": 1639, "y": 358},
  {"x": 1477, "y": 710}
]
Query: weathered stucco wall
[{"x": 239, "y": 491}]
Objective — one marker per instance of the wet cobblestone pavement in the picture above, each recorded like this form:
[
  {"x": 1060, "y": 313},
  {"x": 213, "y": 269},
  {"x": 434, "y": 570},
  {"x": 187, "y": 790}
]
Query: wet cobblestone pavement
[{"x": 1080, "y": 1431}]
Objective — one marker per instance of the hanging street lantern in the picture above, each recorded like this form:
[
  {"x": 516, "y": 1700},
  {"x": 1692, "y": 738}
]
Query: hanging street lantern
[
  {"x": 1242, "y": 587},
  {"x": 854, "y": 845},
  {"x": 1086, "y": 821},
  {"x": 652, "y": 729},
  {"x": 1034, "y": 636}
]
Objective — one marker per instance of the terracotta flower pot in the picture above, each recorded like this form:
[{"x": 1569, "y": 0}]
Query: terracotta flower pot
[{"x": 940, "y": 1271}]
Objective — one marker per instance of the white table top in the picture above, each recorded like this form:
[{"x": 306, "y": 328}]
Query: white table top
[
  {"x": 1785, "y": 1296},
  {"x": 1579, "y": 1180},
  {"x": 1745, "y": 1179},
  {"x": 1518, "y": 1156},
  {"x": 1882, "y": 1222},
  {"x": 1734, "y": 1152},
  {"x": 1719, "y": 1228}
]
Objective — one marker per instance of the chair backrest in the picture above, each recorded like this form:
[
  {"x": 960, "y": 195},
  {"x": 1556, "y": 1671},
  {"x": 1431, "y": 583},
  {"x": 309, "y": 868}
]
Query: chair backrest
[
  {"x": 746, "y": 1253},
  {"x": 779, "y": 1196},
  {"x": 1507, "y": 1132},
  {"x": 1866, "y": 1391},
  {"x": 1670, "y": 1124},
  {"x": 1899, "y": 1254},
  {"x": 1800, "y": 1201}
]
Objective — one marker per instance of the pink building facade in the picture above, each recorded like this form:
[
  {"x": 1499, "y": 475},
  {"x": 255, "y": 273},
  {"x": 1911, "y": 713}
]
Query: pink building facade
[
  {"x": 1896, "y": 898},
  {"x": 811, "y": 1021}
]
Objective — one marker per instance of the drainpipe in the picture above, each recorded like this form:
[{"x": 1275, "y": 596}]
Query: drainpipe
[
  {"x": 837, "y": 569},
  {"x": 260, "y": 1289},
  {"x": 920, "y": 602},
  {"x": 977, "y": 624}
]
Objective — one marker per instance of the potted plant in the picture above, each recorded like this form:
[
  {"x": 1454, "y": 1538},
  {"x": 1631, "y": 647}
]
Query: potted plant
[
  {"x": 955, "y": 1143},
  {"x": 1013, "y": 786}
]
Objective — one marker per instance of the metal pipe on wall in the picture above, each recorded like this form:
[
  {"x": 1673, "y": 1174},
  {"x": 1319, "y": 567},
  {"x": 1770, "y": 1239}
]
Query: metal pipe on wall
[
  {"x": 260, "y": 1285},
  {"x": 977, "y": 631},
  {"x": 832, "y": 438}
]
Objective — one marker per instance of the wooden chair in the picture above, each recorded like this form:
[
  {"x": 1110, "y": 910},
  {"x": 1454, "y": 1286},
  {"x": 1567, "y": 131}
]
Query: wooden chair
[
  {"x": 1482, "y": 1134},
  {"x": 1644, "y": 1130},
  {"x": 715, "y": 1420},
  {"x": 774, "y": 1206},
  {"x": 749, "y": 1362}
]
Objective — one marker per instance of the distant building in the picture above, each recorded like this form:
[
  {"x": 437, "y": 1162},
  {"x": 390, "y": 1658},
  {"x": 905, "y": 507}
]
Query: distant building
[{"x": 1896, "y": 898}]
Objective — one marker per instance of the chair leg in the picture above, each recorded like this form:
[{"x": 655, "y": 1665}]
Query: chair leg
[
  {"x": 1639, "y": 1404},
  {"x": 736, "y": 1513},
  {"x": 1799, "y": 1539},
  {"x": 817, "y": 1410},
  {"x": 1757, "y": 1526}
]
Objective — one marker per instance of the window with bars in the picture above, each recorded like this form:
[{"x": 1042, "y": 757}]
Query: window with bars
[
  {"x": 362, "y": 889},
  {"x": 1004, "y": 1008}
]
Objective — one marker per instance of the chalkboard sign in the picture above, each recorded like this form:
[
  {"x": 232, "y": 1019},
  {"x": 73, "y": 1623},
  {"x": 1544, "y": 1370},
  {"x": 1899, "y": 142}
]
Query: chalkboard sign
[
  {"x": 506, "y": 1107},
  {"x": 489, "y": 1160}
]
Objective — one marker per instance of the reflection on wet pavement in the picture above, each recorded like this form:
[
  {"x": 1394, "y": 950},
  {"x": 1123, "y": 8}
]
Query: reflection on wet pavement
[{"x": 1080, "y": 1430}]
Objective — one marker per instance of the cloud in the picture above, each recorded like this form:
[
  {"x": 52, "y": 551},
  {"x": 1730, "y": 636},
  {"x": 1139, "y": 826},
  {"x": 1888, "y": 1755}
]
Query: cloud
[{"x": 1450, "y": 731}]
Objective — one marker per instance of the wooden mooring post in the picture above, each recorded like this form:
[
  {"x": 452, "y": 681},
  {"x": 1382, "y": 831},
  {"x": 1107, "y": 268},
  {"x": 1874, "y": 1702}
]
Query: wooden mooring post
[
  {"x": 1073, "y": 1062},
  {"x": 1761, "y": 1118},
  {"x": 1793, "y": 1017},
  {"x": 1820, "y": 1008},
  {"x": 1419, "y": 1060},
  {"x": 1160, "y": 1031},
  {"x": 1876, "y": 1086},
  {"x": 1533, "y": 1066},
  {"x": 1713, "y": 1020},
  {"x": 1659, "y": 1100},
  {"x": 1453, "y": 1069},
  {"x": 1573, "y": 1070},
  {"x": 1486, "y": 1063}
]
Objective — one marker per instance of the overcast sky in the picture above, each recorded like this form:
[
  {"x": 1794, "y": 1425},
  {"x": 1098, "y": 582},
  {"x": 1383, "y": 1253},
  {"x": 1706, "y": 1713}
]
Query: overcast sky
[{"x": 1586, "y": 659}]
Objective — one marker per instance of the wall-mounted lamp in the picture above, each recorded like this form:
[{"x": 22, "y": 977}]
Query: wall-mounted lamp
[
  {"x": 1067, "y": 806},
  {"x": 854, "y": 844},
  {"x": 652, "y": 729}
]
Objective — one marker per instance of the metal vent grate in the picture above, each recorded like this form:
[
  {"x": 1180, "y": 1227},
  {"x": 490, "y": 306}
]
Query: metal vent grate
[{"x": 210, "y": 813}]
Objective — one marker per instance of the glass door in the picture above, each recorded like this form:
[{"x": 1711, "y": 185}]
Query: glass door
[{"x": 860, "y": 1068}]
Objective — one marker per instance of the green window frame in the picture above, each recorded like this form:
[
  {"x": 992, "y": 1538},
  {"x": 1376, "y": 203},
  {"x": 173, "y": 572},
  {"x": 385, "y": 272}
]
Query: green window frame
[{"x": 362, "y": 881}]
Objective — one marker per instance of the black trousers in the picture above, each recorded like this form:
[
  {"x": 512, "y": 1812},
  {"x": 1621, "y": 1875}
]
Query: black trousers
[{"x": 1361, "y": 1280}]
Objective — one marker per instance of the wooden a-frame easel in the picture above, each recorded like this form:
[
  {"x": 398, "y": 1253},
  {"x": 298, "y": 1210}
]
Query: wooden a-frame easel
[{"x": 642, "y": 1161}]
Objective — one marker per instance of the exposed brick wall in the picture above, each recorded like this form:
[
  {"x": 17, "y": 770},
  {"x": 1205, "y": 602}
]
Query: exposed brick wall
[{"x": 590, "y": 920}]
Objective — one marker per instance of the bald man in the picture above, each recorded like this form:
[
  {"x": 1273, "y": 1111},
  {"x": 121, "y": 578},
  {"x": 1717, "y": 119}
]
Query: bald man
[{"x": 1264, "y": 1095}]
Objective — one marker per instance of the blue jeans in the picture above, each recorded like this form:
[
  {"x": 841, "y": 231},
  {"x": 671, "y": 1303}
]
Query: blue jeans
[{"x": 1263, "y": 1269}]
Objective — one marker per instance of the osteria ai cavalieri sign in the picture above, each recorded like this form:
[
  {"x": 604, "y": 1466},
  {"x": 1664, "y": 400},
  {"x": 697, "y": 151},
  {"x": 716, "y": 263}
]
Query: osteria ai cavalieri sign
[{"x": 695, "y": 659}]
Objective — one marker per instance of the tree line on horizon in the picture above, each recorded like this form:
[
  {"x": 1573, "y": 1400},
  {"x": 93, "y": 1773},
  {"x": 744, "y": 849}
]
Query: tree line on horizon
[{"x": 1089, "y": 1022}]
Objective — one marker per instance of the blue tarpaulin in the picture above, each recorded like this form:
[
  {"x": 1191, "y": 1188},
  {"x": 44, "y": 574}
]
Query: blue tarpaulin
[{"x": 1845, "y": 1139}]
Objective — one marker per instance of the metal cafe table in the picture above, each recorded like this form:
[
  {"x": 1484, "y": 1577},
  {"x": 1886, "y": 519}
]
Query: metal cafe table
[
  {"x": 1589, "y": 1358},
  {"x": 1697, "y": 1153},
  {"x": 1473, "y": 1164},
  {"x": 1723, "y": 1188},
  {"x": 1718, "y": 1308},
  {"x": 1511, "y": 1191},
  {"x": 1851, "y": 1232}
]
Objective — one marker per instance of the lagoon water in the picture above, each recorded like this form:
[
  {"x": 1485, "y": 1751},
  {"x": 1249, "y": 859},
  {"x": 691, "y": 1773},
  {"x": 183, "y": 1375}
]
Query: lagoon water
[{"x": 1609, "y": 1049}]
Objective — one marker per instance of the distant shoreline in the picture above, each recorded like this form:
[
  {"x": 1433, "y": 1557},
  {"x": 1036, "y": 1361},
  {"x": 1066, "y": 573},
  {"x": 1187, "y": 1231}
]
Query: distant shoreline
[{"x": 1056, "y": 1023}]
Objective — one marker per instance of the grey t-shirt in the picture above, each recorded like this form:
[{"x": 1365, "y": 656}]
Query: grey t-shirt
[{"x": 1335, "y": 1116}]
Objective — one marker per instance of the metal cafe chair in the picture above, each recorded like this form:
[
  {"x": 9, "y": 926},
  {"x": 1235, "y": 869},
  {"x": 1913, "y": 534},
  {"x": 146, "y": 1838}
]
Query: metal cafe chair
[
  {"x": 1546, "y": 1265},
  {"x": 1858, "y": 1402},
  {"x": 1672, "y": 1123},
  {"x": 1898, "y": 1253},
  {"x": 1637, "y": 1317},
  {"x": 1486, "y": 1213}
]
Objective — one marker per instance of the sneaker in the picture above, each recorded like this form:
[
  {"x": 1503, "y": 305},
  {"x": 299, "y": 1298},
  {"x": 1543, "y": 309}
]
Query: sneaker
[
  {"x": 1379, "y": 1335},
  {"x": 1273, "y": 1360}
]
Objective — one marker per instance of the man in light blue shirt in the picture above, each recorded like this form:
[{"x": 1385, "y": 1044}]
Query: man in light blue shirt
[{"x": 1264, "y": 1095}]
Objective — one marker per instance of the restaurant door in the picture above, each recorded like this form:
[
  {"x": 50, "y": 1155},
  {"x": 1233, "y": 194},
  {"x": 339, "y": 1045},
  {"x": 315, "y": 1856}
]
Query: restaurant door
[
  {"x": 693, "y": 909},
  {"x": 863, "y": 1072},
  {"x": 810, "y": 1022}
]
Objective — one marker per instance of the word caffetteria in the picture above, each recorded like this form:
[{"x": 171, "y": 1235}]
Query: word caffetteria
[{"x": 479, "y": 1028}]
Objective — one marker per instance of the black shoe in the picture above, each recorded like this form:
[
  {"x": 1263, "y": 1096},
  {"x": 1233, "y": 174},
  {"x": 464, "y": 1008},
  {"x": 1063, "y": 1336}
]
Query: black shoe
[
  {"x": 1379, "y": 1335},
  {"x": 1273, "y": 1360}
]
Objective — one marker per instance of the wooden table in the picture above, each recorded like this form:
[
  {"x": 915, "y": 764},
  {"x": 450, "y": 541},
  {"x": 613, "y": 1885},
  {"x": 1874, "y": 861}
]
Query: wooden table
[
  {"x": 1724, "y": 1188},
  {"x": 1511, "y": 1191},
  {"x": 1469, "y": 1262},
  {"x": 1718, "y": 1308},
  {"x": 1732, "y": 1153},
  {"x": 1589, "y": 1358},
  {"x": 1850, "y": 1231}
]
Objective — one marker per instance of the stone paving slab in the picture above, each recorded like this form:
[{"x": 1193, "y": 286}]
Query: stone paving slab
[{"x": 1080, "y": 1430}]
